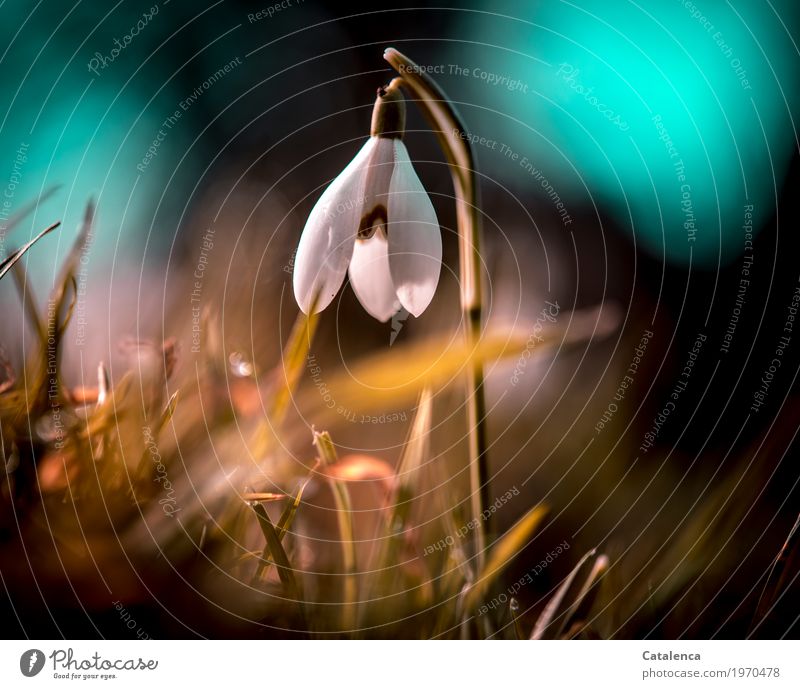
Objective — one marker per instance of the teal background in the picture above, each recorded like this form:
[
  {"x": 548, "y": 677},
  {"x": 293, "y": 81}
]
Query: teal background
[{"x": 644, "y": 59}]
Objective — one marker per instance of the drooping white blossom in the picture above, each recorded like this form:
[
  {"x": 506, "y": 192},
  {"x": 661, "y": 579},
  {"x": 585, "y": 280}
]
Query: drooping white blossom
[{"x": 377, "y": 222}]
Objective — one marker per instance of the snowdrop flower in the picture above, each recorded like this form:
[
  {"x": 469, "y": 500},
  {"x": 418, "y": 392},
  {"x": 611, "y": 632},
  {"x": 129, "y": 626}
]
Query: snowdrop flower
[{"x": 376, "y": 222}]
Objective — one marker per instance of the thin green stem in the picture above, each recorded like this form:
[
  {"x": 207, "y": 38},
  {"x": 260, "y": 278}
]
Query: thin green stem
[{"x": 452, "y": 135}]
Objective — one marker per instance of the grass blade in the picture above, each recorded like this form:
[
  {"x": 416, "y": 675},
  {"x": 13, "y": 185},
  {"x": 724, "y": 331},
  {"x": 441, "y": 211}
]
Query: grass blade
[
  {"x": 284, "y": 524},
  {"x": 279, "y": 557},
  {"x": 167, "y": 413},
  {"x": 8, "y": 263},
  {"x": 29, "y": 303},
  {"x": 103, "y": 384},
  {"x": 554, "y": 604},
  {"x": 506, "y": 549},
  {"x": 344, "y": 516},
  {"x": 773, "y": 583},
  {"x": 169, "y": 410},
  {"x": 585, "y": 598},
  {"x": 395, "y": 527},
  {"x": 293, "y": 362},
  {"x": 28, "y": 208},
  {"x": 287, "y": 517},
  {"x": 79, "y": 246},
  {"x": 414, "y": 453},
  {"x": 390, "y": 379}
]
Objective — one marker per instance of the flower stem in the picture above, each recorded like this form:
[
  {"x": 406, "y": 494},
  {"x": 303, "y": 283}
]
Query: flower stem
[{"x": 452, "y": 135}]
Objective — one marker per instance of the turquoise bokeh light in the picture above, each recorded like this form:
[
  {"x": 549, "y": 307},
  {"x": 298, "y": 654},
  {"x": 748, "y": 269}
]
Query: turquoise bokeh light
[
  {"x": 85, "y": 131},
  {"x": 674, "y": 116}
]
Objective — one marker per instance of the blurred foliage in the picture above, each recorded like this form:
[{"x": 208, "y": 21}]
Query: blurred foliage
[{"x": 118, "y": 491}]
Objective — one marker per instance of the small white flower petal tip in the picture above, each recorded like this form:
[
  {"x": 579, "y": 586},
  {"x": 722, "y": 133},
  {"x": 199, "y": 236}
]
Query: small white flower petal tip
[{"x": 376, "y": 222}]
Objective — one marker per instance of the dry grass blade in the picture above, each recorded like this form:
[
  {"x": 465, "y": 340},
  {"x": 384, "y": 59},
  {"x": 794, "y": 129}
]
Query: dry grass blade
[
  {"x": 169, "y": 410},
  {"x": 400, "y": 501},
  {"x": 63, "y": 322},
  {"x": 414, "y": 453},
  {"x": 774, "y": 583},
  {"x": 506, "y": 549},
  {"x": 79, "y": 247},
  {"x": 293, "y": 363},
  {"x": 344, "y": 516},
  {"x": 554, "y": 604},
  {"x": 284, "y": 523},
  {"x": 287, "y": 517},
  {"x": 8, "y": 263},
  {"x": 293, "y": 359},
  {"x": 29, "y": 300},
  {"x": 279, "y": 557},
  {"x": 27, "y": 209},
  {"x": 263, "y": 497},
  {"x": 145, "y": 460},
  {"x": 585, "y": 598},
  {"x": 58, "y": 317},
  {"x": 29, "y": 303},
  {"x": 103, "y": 384},
  {"x": 416, "y": 445},
  {"x": 107, "y": 416},
  {"x": 67, "y": 278},
  {"x": 390, "y": 379},
  {"x": 47, "y": 382}
]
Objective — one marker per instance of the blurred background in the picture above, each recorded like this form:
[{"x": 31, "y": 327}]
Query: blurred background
[{"x": 636, "y": 166}]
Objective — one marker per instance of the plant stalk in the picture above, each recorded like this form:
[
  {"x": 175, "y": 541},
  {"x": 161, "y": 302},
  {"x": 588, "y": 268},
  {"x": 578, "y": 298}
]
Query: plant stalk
[{"x": 454, "y": 141}]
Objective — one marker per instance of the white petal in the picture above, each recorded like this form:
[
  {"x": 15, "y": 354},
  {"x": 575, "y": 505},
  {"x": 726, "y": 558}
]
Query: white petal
[
  {"x": 378, "y": 177},
  {"x": 329, "y": 235},
  {"x": 370, "y": 278},
  {"x": 415, "y": 242}
]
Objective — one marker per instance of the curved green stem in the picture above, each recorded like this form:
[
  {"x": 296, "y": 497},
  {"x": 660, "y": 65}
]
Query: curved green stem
[{"x": 452, "y": 135}]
